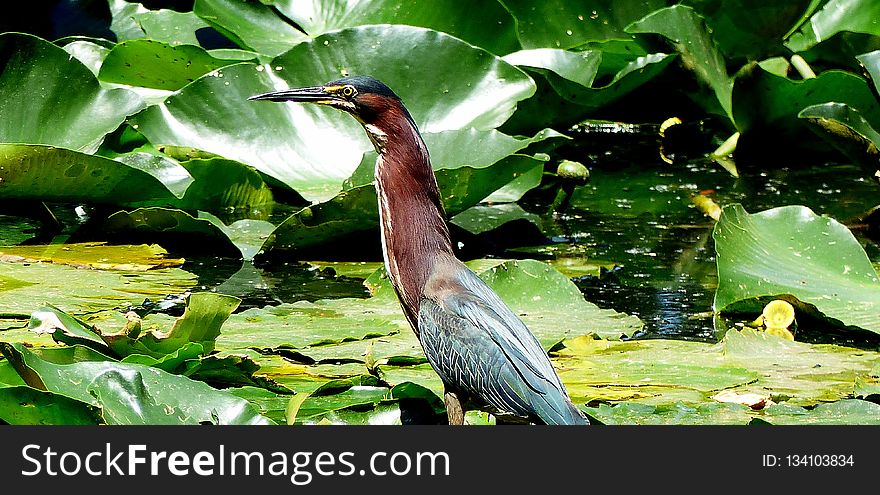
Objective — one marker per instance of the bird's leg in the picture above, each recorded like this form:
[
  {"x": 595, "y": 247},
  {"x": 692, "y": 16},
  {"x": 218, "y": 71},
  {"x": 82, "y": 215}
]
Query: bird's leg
[{"x": 454, "y": 409}]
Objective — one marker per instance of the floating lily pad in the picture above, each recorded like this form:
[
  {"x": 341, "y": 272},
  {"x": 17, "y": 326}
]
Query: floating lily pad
[
  {"x": 665, "y": 372},
  {"x": 74, "y": 290},
  {"x": 95, "y": 255},
  {"x": 844, "y": 412},
  {"x": 200, "y": 324},
  {"x": 351, "y": 329},
  {"x": 791, "y": 251}
]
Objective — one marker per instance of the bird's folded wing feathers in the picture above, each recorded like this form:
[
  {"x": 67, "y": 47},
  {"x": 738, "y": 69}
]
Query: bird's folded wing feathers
[{"x": 489, "y": 351}]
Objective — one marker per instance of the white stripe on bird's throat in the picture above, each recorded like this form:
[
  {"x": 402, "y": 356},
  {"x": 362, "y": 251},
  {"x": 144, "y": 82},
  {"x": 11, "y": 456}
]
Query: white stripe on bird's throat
[
  {"x": 385, "y": 222},
  {"x": 378, "y": 137}
]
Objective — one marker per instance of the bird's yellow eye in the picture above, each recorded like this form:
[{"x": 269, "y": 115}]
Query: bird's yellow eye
[{"x": 348, "y": 91}]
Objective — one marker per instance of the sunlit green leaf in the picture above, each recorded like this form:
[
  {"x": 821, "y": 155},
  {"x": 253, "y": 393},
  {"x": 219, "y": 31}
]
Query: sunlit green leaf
[
  {"x": 169, "y": 26},
  {"x": 871, "y": 63},
  {"x": 846, "y": 129},
  {"x": 252, "y": 25},
  {"x": 153, "y": 64},
  {"x": 349, "y": 329},
  {"x": 567, "y": 24},
  {"x": 51, "y": 98},
  {"x": 792, "y": 251},
  {"x": 314, "y": 149},
  {"x": 844, "y": 412},
  {"x": 89, "y": 53},
  {"x": 48, "y": 173},
  {"x": 664, "y": 372},
  {"x": 94, "y": 255},
  {"x": 836, "y": 16},
  {"x": 202, "y": 318}
]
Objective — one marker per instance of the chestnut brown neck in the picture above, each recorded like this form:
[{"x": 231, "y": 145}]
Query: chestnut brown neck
[{"x": 413, "y": 223}]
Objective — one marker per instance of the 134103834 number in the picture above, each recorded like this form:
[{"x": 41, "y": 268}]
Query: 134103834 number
[{"x": 819, "y": 460}]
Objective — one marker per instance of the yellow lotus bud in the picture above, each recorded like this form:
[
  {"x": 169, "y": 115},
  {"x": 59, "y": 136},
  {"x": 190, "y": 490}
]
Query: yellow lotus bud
[{"x": 778, "y": 314}]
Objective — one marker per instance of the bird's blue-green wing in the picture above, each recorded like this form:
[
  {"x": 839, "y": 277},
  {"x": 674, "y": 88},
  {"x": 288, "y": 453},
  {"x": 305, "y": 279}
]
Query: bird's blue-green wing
[{"x": 477, "y": 344}]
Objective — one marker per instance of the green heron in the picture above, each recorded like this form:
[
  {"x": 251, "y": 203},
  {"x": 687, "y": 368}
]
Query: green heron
[{"x": 484, "y": 354}]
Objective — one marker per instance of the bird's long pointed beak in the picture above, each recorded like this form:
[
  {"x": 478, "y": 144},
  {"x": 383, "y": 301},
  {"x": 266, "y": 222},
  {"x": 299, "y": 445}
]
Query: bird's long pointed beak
[{"x": 316, "y": 94}]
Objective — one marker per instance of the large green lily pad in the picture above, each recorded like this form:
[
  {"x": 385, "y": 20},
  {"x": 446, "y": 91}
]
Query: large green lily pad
[
  {"x": 48, "y": 173},
  {"x": 791, "y": 251},
  {"x": 313, "y": 149},
  {"x": 51, "y": 98},
  {"x": 153, "y": 64}
]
